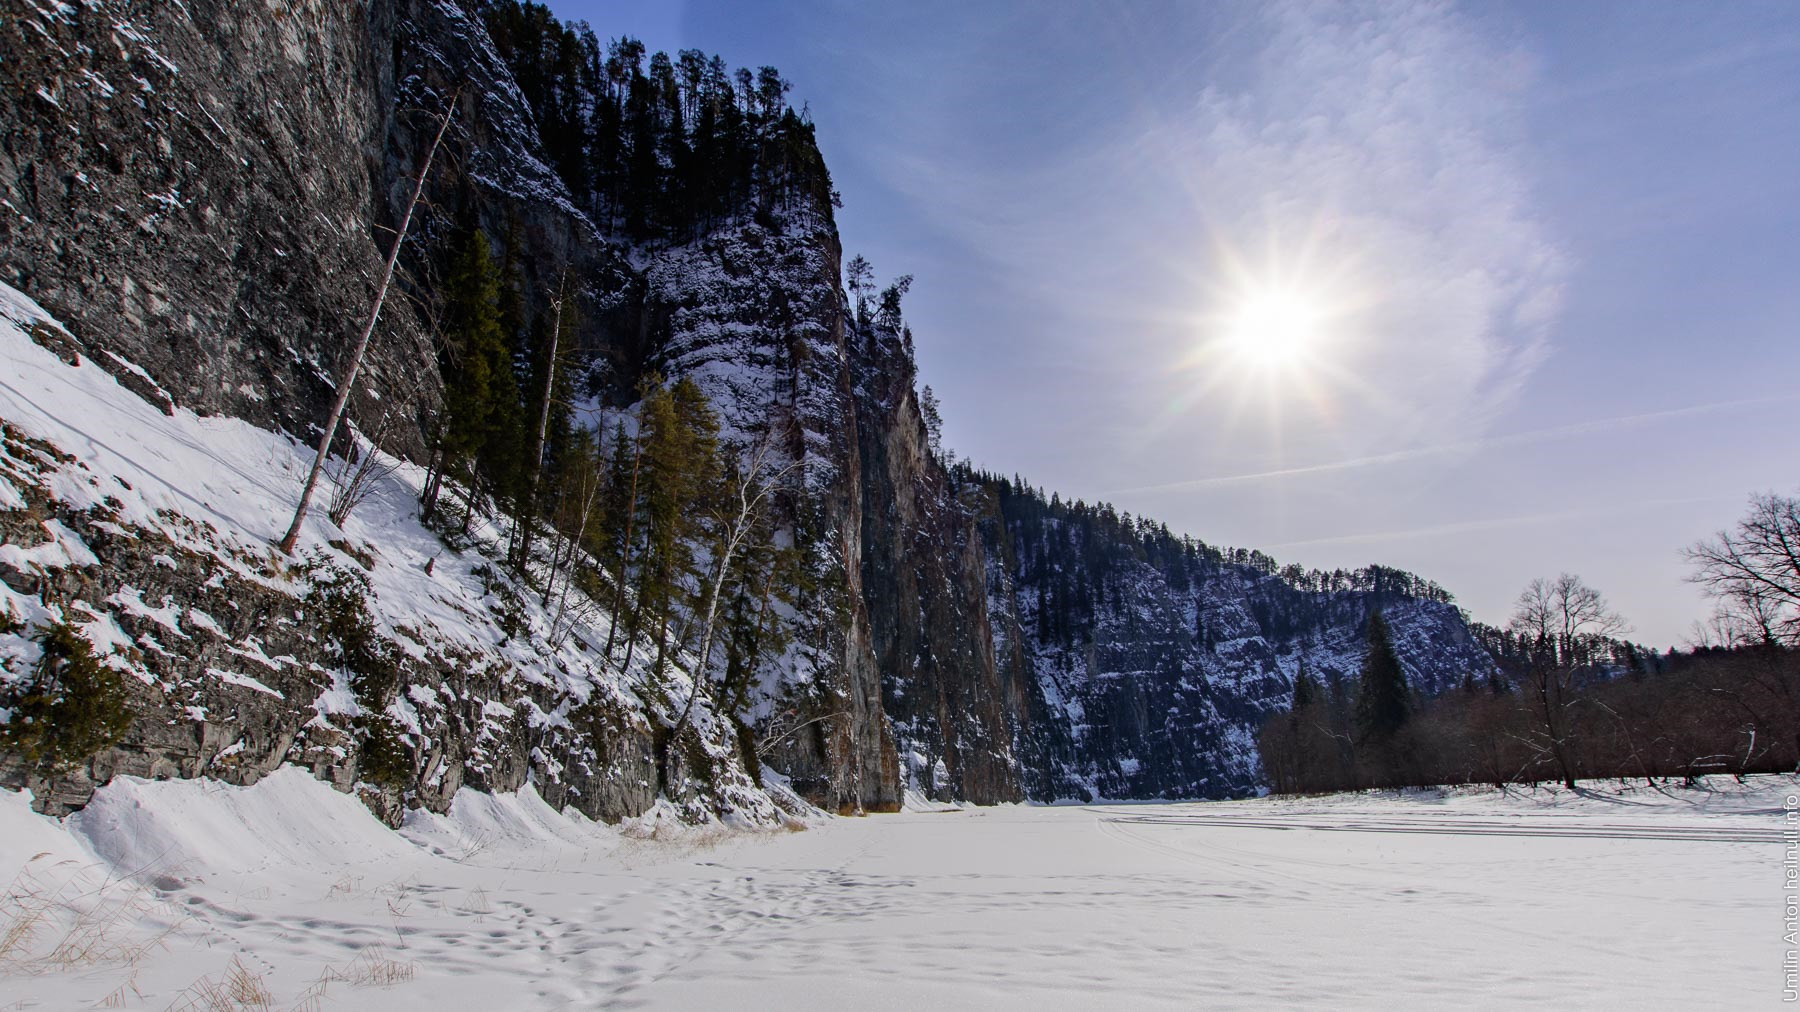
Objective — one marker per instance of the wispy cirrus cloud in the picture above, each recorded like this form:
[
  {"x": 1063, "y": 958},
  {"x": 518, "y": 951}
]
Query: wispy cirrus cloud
[
  {"x": 1466, "y": 447},
  {"x": 1464, "y": 527},
  {"x": 1372, "y": 150}
]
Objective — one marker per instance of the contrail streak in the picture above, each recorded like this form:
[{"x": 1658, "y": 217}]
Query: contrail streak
[
  {"x": 1498, "y": 523},
  {"x": 1465, "y": 445}
]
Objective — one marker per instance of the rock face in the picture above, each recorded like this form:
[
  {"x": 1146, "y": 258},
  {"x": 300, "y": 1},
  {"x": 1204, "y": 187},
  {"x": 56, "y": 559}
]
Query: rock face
[
  {"x": 924, "y": 569},
  {"x": 1160, "y": 688},
  {"x": 204, "y": 194},
  {"x": 191, "y": 186}
]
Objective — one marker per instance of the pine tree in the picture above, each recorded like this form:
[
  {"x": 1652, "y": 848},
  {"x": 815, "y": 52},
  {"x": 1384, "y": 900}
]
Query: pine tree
[
  {"x": 474, "y": 344},
  {"x": 1382, "y": 704},
  {"x": 618, "y": 535},
  {"x": 1310, "y": 747},
  {"x": 70, "y": 707},
  {"x": 933, "y": 419},
  {"x": 680, "y": 466},
  {"x": 1306, "y": 688}
]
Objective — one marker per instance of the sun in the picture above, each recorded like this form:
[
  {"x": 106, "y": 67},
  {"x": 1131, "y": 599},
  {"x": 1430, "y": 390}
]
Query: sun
[
  {"x": 1284, "y": 334},
  {"x": 1273, "y": 329}
]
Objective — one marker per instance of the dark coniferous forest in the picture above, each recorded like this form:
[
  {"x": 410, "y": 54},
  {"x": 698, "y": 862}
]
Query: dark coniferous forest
[{"x": 653, "y": 146}]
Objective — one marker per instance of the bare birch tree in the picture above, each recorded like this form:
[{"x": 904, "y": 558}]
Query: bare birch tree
[
  {"x": 348, "y": 382},
  {"x": 528, "y": 514},
  {"x": 751, "y": 490},
  {"x": 1754, "y": 570}
]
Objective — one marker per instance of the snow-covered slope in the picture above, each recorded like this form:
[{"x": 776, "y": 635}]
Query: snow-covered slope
[{"x": 151, "y": 533}]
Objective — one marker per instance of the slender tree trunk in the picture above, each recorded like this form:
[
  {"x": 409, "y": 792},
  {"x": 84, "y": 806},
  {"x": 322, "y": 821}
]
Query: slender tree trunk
[
  {"x": 574, "y": 543},
  {"x": 749, "y": 509},
  {"x": 556, "y": 539},
  {"x": 637, "y": 457},
  {"x": 528, "y": 513},
  {"x": 662, "y": 644},
  {"x": 761, "y": 629},
  {"x": 631, "y": 630},
  {"x": 1550, "y": 694},
  {"x": 434, "y": 478},
  {"x": 348, "y": 382},
  {"x": 706, "y": 632},
  {"x": 469, "y": 500}
]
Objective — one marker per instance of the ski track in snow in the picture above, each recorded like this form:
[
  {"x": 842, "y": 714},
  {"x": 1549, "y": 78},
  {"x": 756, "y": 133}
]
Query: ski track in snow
[{"x": 1602, "y": 898}]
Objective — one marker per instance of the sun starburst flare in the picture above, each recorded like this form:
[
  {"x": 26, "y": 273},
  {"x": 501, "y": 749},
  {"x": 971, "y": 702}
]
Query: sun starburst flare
[
  {"x": 1278, "y": 334},
  {"x": 1274, "y": 329}
]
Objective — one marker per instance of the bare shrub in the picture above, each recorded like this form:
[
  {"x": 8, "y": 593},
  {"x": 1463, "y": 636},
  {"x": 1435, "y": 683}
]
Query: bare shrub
[
  {"x": 353, "y": 482},
  {"x": 477, "y": 904}
]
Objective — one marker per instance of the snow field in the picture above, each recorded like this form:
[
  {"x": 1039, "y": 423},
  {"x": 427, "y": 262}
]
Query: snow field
[{"x": 1605, "y": 898}]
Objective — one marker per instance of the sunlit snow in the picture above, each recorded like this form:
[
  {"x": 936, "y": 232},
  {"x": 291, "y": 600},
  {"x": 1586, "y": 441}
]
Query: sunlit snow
[{"x": 1654, "y": 898}]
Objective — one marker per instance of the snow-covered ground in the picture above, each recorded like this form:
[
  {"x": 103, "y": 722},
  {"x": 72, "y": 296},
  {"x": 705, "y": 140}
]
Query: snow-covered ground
[{"x": 159, "y": 891}]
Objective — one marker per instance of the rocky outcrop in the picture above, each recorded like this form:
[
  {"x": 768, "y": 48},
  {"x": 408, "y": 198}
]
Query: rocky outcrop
[
  {"x": 1180, "y": 654},
  {"x": 755, "y": 314},
  {"x": 236, "y": 661},
  {"x": 924, "y": 580}
]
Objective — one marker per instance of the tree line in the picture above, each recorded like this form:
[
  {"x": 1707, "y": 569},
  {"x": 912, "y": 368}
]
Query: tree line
[
  {"x": 1078, "y": 558},
  {"x": 1568, "y": 699},
  {"x": 654, "y": 146}
]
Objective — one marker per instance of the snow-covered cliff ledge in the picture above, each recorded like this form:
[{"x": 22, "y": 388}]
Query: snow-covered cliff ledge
[{"x": 148, "y": 531}]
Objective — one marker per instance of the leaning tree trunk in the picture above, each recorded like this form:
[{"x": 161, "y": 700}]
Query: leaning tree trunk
[
  {"x": 348, "y": 383},
  {"x": 528, "y": 514}
]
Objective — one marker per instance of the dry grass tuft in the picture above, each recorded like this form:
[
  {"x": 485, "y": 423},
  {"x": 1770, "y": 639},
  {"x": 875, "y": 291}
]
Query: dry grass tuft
[
  {"x": 313, "y": 998},
  {"x": 236, "y": 990},
  {"x": 117, "y": 998},
  {"x": 372, "y": 967},
  {"x": 69, "y": 917},
  {"x": 477, "y": 903},
  {"x": 48, "y": 926}
]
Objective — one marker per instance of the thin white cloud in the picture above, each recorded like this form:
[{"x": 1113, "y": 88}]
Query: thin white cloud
[
  {"x": 1384, "y": 139},
  {"x": 1461, "y": 447},
  {"x": 1498, "y": 523},
  {"x": 1698, "y": 65}
]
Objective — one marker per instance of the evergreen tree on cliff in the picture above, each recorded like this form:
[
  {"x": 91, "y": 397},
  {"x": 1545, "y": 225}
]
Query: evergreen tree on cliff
[
  {"x": 1382, "y": 706},
  {"x": 480, "y": 394},
  {"x": 1306, "y": 689},
  {"x": 679, "y": 436}
]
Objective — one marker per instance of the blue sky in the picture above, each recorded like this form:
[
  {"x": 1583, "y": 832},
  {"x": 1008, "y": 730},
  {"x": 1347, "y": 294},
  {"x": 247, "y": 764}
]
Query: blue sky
[{"x": 1546, "y": 259}]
